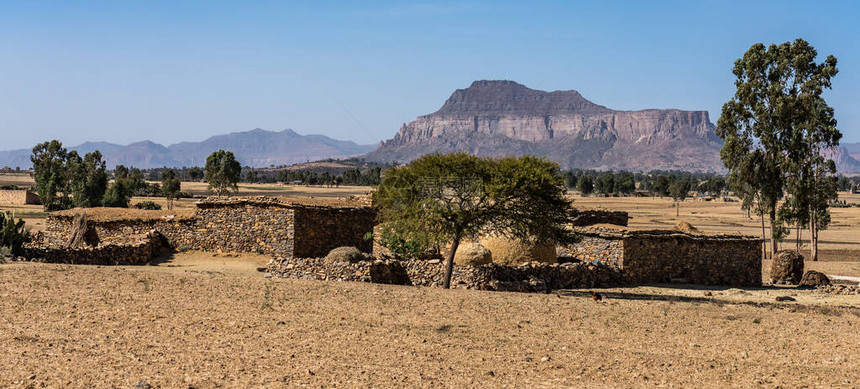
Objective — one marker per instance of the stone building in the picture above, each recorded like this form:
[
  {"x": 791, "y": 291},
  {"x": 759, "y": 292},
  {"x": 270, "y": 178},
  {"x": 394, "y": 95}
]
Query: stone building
[
  {"x": 18, "y": 197},
  {"x": 664, "y": 256},
  {"x": 287, "y": 227}
]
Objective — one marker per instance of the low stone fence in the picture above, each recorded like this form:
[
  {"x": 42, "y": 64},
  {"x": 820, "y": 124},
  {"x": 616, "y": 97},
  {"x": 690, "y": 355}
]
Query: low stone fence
[
  {"x": 18, "y": 197},
  {"x": 532, "y": 277},
  {"x": 594, "y": 216},
  {"x": 139, "y": 251}
]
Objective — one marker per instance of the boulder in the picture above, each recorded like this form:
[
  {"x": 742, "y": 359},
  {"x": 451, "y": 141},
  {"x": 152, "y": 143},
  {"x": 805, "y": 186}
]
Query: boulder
[
  {"x": 813, "y": 278},
  {"x": 389, "y": 272},
  {"x": 345, "y": 254},
  {"x": 787, "y": 267},
  {"x": 512, "y": 252},
  {"x": 472, "y": 254}
]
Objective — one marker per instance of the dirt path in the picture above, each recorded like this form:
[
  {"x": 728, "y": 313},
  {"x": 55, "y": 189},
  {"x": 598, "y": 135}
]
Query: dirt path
[{"x": 242, "y": 265}]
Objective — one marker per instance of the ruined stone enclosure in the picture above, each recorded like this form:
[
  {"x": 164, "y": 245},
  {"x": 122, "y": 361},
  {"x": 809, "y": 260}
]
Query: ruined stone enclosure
[
  {"x": 273, "y": 226},
  {"x": 664, "y": 256}
]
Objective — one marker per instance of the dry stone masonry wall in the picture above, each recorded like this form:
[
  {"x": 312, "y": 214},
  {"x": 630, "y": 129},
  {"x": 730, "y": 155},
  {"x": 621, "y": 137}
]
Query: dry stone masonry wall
[
  {"x": 531, "y": 277},
  {"x": 137, "y": 250},
  {"x": 18, "y": 197},
  {"x": 253, "y": 225}
]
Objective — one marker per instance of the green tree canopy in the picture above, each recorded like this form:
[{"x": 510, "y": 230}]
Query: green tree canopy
[
  {"x": 605, "y": 183},
  {"x": 776, "y": 129},
  {"x": 585, "y": 185},
  {"x": 170, "y": 186},
  {"x": 49, "y": 160},
  {"x": 222, "y": 172},
  {"x": 445, "y": 198}
]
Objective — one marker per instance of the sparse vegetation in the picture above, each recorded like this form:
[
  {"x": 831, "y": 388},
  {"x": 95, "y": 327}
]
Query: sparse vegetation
[{"x": 12, "y": 234}]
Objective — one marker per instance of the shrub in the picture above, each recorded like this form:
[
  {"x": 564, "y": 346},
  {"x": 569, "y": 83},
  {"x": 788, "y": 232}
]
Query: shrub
[
  {"x": 12, "y": 235},
  {"x": 403, "y": 248},
  {"x": 148, "y": 205}
]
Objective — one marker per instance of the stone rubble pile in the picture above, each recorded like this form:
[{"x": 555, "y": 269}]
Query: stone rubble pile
[
  {"x": 135, "y": 250},
  {"x": 839, "y": 289},
  {"x": 530, "y": 277}
]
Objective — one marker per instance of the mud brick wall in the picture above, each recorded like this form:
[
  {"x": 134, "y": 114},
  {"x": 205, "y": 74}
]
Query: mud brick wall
[
  {"x": 707, "y": 260},
  {"x": 318, "y": 230},
  {"x": 138, "y": 252},
  {"x": 18, "y": 197}
]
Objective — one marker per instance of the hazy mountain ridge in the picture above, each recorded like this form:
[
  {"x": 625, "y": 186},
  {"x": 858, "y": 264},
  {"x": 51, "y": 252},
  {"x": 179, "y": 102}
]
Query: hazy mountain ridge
[
  {"x": 496, "y": 118},
  {"x": 256, "y": 148}
]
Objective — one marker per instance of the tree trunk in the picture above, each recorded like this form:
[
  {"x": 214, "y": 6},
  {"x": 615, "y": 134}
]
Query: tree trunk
[
  {"x": 813, "y": 234},
  {"x": 774, "y": 245},
  {"x": 449, "y": 263},
  {"x": 763, "y": 239},
  {"x": 799, "y": 231}
]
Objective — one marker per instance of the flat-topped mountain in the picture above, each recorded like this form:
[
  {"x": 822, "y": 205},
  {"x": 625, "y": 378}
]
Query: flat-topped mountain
[
  {"x": 256, "y": 148},
  {"x": 496, "y": 118}
]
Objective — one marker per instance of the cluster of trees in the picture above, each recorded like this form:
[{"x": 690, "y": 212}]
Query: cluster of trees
[
  {"x": 355, "y": 176},
  {"x": 676, "y": 184},
  {"x": 777, "y": 130},
  {"x": 64, "y": 180},
  {"x": 447, "y": 198}
]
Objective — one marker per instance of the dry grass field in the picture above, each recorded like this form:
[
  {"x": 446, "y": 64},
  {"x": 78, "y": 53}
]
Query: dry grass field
[
  {"x": 185, "y": 323},
  {"x": 203, "y": 320}
]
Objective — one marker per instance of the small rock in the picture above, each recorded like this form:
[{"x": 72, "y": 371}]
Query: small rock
[
  {"x": 142, "y": 385},
  {"x": 785, "y": 298},
  {"x": 545, "y": 359},
  {"x": 708, "y": 293}
]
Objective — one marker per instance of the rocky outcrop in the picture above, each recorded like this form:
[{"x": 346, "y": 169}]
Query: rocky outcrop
[{"x": 495, "y": 118}]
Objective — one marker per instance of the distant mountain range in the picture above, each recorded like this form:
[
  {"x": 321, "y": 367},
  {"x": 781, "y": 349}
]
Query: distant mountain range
[
  {"x": 256, "y": 148},
  {"x": 495, "y": 118},
  {"x": 489, "y": 118}
]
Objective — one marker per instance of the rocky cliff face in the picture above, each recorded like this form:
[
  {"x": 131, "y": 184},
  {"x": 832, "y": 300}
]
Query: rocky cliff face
[{"x": 502, "y": 118}]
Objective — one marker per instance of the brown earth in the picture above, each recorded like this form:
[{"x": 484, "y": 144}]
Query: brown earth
[{"x": 181, "y": 326}]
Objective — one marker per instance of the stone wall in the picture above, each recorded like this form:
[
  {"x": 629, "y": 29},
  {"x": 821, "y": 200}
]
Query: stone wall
[
  {"x": 139, "y": 251},
  {"x": 319, "y": 230},
  {"x": 669, "y": 256},
  {"x": 593, "y": 216},
  {"x": 258, "y": 225},
  {"x": 678, "y": 257},
  {"x": 18, "y": 197},
  {"x": 532, "y": 277}
]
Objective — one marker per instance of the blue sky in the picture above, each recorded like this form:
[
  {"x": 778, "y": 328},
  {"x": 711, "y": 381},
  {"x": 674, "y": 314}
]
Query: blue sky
[{"x": 172, "y": 71}]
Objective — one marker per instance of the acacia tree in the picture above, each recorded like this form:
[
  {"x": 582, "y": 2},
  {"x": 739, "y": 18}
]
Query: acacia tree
[
  {"x": 446, "y": 198},
  {"x": 775, "y": 130},
  {"x": 170, "y": 186},
  {"x": 222, "y": 172}
]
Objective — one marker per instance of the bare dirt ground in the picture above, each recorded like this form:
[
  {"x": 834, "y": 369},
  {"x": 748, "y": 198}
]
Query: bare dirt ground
[{"x": 181, "y": 326}]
